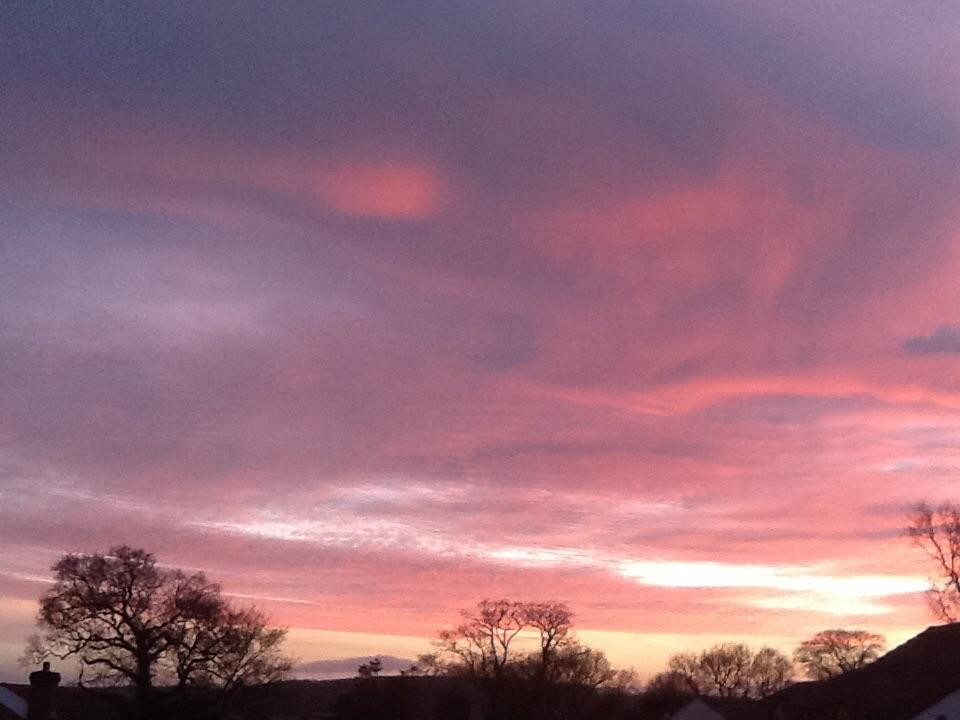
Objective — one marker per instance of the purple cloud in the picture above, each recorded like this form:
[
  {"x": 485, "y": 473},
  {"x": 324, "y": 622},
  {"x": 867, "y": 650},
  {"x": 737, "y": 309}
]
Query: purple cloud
[{"x": 945, "y": 339}]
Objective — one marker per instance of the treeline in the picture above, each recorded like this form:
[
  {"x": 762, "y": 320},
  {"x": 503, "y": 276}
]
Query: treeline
[
  {"x": 510, "y": 660},
  {"x": 507, "y": 660},
  {"x": 733, "y": 670}
]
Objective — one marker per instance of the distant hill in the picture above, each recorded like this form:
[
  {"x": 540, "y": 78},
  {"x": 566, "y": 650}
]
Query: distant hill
[{"x": 347, "y": 667}]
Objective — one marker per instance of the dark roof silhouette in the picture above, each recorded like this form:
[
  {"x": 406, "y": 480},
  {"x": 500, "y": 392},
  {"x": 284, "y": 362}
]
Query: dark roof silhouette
[
  {"x": 906, "y": 681},
  {"x": 70, "y": 703},
  {"x": 20, "y": 692},
  {"x": 731, "y": 707}
]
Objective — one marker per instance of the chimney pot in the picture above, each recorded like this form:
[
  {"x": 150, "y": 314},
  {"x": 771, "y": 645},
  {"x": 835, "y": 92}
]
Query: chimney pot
[{"x": 43, "y": 683}]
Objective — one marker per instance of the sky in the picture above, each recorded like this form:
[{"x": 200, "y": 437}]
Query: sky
[{"x": 373, "y": 310}]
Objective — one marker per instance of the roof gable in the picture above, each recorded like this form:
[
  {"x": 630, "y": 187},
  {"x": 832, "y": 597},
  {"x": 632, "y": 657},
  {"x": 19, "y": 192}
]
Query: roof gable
[
  {"x": 697, "y": 709},
  {"x": 11, "y": 704},
  {"x": 948, "y": 707}
]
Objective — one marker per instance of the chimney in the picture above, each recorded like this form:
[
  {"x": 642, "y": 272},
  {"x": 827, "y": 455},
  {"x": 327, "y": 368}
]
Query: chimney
[{"x": 42, "y": 685}]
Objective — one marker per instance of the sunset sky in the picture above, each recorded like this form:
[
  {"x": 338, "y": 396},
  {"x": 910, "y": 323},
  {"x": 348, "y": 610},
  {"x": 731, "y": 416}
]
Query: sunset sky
[{"x": 371, "y": 310}]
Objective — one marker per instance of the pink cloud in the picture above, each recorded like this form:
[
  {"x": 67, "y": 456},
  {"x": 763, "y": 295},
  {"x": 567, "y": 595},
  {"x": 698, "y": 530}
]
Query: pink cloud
[{"x": 380, "y": 190}]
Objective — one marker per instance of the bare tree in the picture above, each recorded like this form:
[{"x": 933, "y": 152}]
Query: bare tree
[
  {"x": 770, "y": 672},
  {"x": 726, "y": 668},
  {"x": 132, "y": 623},
  {"x": 579, "y": 673},
  {"x": 937, "y": 532},
  {"x": 733, "y": 670},
  {"x": 558, "y": 676},
  {"x": 833, "y": 652},
  {"x": 579, "y": 665},
  {"x": 482, "y": 642},
  {"x": 240, "y": 650},
  {"x": 667, "y": 692},
  {"x": 673, "y": 682},
  {"x": 553, "y": 622}
]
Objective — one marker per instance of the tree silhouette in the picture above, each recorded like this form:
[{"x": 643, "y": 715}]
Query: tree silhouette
[
  {"x": 937, "y": 532},
  {"x": 667, "y": 692},
  {"x": 552, "y": 622},
  {"x": 770, "y": 672},
  {"x": 482, "y": 642},
  {"x": 833, "y": 652},
  {"x": 559, "y": 678},
  {"x": 733, "y": 670},
  {"x": 132, "y": 623},
  {"x": 370, "y": 669}
]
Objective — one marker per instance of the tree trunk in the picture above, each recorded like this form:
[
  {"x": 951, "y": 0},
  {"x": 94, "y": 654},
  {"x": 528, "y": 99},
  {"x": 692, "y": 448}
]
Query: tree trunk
[{"x": 143, "y": 687}]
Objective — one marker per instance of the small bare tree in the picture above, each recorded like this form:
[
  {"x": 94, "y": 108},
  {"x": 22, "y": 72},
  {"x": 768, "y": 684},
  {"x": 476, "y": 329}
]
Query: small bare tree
[
  {"x": 937, "y": 532},
  {"x": 833, "y": 652},
  {"x": 369, "y": 670}
]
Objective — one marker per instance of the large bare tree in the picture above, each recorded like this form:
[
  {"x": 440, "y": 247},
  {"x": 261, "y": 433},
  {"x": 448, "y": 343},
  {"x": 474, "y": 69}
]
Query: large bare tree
[
  {"x": 171, "y": 637},
  {"x": 937, "y": 532},
  {"x": 483, "y": 644},
  {"x": 833, "y": 652}
]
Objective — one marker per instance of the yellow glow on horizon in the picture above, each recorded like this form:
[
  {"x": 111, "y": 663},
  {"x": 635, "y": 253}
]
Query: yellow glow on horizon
[{"x": 645, "y": 652}]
